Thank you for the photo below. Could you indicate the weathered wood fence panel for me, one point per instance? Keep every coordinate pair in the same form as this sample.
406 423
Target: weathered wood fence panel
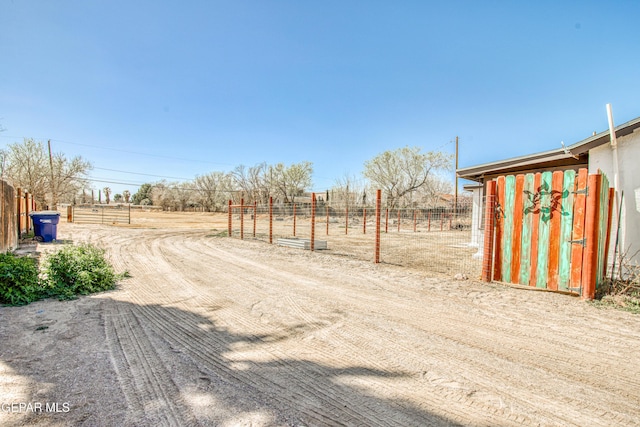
8 226
552 230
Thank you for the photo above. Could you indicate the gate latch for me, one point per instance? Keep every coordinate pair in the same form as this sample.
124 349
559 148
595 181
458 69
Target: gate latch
582 242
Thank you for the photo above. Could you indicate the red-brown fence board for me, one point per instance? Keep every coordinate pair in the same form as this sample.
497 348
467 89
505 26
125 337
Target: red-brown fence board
577 235
554 230
518 207
497 260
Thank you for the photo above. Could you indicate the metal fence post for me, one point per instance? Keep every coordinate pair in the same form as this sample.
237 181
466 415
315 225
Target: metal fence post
271 220
229 220
378 208
313 220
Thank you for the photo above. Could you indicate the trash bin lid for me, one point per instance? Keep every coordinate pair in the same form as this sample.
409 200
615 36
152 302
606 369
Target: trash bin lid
44 213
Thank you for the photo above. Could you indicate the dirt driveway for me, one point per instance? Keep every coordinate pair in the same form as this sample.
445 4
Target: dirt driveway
217 332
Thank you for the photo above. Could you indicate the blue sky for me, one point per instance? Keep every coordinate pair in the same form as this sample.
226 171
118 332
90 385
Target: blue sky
182 88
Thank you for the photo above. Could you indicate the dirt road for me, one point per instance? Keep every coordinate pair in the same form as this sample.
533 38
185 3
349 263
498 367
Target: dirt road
214 331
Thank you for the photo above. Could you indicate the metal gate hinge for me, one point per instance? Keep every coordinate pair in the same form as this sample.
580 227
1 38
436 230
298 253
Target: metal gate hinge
582 242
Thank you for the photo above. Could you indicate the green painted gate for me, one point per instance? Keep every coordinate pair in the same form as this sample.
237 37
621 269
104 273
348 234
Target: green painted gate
552 230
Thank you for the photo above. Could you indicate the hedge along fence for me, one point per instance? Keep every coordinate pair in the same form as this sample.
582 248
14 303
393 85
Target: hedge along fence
433 239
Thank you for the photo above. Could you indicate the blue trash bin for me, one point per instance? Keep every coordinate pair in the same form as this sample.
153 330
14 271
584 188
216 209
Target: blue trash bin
45 225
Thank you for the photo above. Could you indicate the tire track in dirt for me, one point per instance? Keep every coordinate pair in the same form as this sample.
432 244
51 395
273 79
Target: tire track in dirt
550 361
471 356
151 394
359 345
291 380
330 402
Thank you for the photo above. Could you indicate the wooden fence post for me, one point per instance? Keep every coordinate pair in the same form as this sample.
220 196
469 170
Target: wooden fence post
398 220
19 209
378 206
489 223
294 219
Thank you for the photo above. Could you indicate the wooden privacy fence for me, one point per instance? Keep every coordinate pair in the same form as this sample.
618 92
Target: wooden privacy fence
25 204
117 214
15 221
548 230
8 232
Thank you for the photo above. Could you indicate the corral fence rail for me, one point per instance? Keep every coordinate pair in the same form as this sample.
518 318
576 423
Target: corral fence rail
436 239
100 214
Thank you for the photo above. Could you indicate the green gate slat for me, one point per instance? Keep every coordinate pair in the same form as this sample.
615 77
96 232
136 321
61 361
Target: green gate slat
566 227
507 255
543 231
602 229
527 225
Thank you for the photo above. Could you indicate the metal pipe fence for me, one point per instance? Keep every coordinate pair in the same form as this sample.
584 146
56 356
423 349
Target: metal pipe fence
434 239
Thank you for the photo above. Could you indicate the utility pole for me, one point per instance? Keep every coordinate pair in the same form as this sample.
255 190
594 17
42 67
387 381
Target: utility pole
54 202
455 199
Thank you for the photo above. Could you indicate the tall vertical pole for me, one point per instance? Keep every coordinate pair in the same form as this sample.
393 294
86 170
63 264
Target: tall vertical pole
294 219
54 202
255 216
455 199
313 221
378 206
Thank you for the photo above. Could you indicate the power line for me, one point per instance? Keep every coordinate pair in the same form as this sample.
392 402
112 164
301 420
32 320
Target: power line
128 151
144 174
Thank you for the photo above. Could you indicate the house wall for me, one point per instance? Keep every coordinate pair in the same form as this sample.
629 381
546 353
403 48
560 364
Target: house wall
601 158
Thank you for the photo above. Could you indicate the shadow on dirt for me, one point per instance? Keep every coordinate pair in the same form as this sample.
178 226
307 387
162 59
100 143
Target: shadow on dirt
168 366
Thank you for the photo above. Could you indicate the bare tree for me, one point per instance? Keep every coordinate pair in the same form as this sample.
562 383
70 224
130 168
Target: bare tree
255 182
29 168
182 195
347 191
126 194
399 173
213 189
291 181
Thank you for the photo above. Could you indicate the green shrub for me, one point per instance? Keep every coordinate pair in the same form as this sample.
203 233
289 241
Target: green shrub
78 270
19 283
